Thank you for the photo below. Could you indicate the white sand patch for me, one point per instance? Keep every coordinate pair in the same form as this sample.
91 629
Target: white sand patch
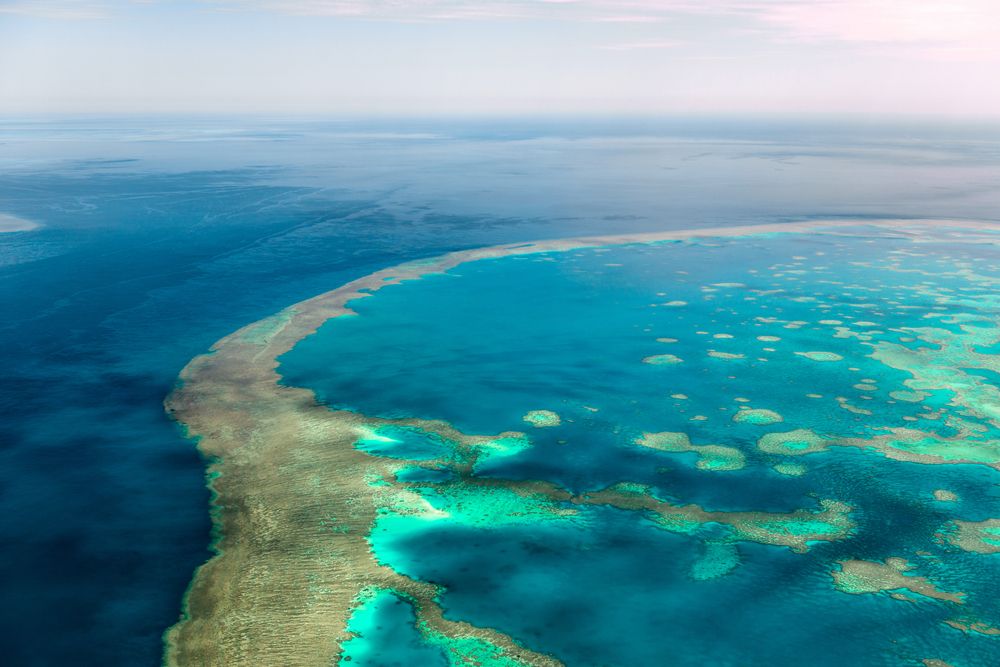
10 223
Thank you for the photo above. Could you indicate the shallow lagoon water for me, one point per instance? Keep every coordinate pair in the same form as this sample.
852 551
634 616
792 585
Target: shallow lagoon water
386 636
158 236
486 343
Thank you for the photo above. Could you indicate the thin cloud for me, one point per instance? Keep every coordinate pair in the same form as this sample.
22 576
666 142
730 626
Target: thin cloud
643 46
645 18
929 29
885 21
938 22
65 10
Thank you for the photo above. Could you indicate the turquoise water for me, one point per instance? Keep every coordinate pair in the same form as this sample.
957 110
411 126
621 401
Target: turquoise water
385 635
490 341
401 443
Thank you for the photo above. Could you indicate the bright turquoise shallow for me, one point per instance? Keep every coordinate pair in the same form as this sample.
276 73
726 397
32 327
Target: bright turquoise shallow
568 332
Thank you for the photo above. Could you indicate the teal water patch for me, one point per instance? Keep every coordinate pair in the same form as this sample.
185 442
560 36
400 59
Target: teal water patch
495 453
422 474
402 442
386 635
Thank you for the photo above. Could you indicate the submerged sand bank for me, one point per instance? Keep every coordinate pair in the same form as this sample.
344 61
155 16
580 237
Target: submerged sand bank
11 223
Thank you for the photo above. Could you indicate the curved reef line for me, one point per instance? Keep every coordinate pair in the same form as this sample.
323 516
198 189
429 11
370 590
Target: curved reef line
271 447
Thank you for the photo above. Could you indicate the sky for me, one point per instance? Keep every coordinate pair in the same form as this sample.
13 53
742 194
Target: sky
416 57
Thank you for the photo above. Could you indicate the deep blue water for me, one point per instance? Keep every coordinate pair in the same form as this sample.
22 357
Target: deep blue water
161 235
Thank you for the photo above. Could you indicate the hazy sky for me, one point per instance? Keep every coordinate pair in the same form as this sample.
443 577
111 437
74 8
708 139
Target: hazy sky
500 56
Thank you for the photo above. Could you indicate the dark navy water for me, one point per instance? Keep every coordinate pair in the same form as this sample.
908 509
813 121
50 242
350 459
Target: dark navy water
161 235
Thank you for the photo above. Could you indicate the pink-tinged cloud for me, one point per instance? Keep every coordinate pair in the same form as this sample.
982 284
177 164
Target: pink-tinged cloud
949 28
943 30
885 21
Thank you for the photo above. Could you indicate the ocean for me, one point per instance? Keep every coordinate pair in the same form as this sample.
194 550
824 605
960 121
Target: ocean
157 236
